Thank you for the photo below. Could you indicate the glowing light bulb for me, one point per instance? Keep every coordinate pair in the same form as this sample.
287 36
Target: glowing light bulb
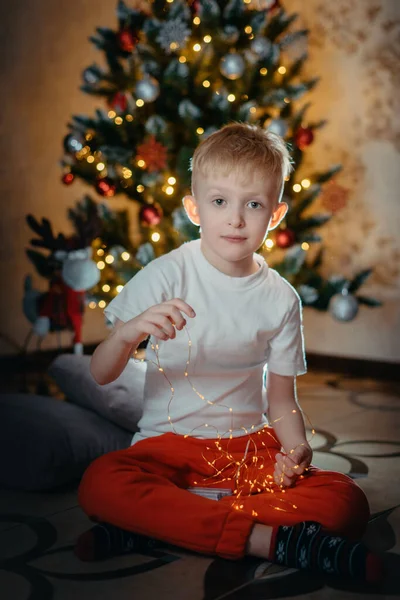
231 98
155 237
248 29
111 114
182 59
106 287
119 288
197 47
207 39
102 304
170 190
200 130
92 304
139 102
206 83
141 163
196 21
297 187
140 188
171 180
174 46
90 158
282 70
118 120
100 166
100 252
109 259
306 183
263 71
101 265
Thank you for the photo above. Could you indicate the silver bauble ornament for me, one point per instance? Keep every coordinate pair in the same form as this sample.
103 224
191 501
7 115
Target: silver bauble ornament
91 75
147 89
278 126
230 34
73 143
261 46
232 66
343 307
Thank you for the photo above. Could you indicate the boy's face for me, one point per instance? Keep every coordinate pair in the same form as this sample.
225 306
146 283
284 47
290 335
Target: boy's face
235 218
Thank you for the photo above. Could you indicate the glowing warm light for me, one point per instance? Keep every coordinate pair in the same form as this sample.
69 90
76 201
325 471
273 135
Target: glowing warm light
170 190
92 304
263 71
106 287
231 98
287 100
155 237
140 188
197 47
100 252
207 39
297 187
248 29
174 46
253 110
126 173
129 118
182 59
90 159
171 180
306 183
282 70
109 259
200 130
206 83
102 304
141 163
119 288
139 102
118 120
125 256
100 166
305 246
269 244
112 114
196 21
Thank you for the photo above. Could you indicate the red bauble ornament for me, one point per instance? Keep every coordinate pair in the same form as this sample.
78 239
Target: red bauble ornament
285 238
150 214
68 178
119 102
303 137
127 39
106 187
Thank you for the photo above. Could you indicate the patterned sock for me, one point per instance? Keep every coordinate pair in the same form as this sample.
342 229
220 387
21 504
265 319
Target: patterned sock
307 546
105 540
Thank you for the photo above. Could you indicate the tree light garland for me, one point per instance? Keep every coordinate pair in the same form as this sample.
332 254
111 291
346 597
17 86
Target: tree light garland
253 481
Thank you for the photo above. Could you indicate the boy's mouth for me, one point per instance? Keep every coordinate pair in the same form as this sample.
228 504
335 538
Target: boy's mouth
234 238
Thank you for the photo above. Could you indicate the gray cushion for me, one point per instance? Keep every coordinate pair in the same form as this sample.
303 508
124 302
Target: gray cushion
120 401
45 442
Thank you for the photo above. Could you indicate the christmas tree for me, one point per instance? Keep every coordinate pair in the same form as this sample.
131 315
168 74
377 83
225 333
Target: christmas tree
173 73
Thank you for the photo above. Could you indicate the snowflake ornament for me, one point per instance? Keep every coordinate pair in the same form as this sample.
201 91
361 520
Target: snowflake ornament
173 34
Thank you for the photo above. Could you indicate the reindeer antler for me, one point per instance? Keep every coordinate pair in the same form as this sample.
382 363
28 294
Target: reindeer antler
45 232
86 220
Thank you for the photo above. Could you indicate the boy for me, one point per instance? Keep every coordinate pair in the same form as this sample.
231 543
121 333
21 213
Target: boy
217 316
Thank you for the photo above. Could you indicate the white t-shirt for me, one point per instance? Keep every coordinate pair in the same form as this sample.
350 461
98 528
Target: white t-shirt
242 326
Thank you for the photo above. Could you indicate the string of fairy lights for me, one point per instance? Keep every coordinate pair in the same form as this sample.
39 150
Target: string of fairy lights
248 476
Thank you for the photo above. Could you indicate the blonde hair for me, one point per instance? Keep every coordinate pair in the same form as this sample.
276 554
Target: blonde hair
244 148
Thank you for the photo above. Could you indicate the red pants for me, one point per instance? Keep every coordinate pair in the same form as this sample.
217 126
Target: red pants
143 489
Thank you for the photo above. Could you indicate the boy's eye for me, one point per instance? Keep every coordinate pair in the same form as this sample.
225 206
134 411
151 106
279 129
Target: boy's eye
219 201
255 203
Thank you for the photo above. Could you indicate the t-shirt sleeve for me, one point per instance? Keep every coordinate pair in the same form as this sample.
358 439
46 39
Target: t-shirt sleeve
148 287
286 348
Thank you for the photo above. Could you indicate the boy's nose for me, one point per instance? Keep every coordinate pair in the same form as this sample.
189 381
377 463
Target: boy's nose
236 219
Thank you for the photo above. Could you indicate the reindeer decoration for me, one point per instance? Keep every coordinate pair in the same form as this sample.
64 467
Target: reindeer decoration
71 272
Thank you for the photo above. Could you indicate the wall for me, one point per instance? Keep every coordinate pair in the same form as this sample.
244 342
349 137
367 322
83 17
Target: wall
354 47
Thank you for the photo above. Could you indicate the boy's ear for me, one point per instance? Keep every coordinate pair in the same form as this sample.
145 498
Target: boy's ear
190 206
278 214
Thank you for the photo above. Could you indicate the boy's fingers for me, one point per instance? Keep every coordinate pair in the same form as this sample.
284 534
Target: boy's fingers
183 306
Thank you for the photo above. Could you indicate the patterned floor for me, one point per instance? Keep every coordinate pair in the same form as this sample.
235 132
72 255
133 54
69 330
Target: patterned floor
357 423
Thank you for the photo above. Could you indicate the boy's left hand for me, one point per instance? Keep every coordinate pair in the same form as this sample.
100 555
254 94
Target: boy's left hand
289 466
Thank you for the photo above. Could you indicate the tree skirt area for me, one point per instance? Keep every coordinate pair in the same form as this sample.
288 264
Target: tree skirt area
357 423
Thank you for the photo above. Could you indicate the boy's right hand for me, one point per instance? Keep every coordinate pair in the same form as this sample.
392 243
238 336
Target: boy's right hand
159 321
